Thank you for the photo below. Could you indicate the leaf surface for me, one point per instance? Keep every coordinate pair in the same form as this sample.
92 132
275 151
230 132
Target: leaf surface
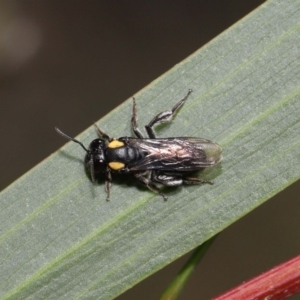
60 239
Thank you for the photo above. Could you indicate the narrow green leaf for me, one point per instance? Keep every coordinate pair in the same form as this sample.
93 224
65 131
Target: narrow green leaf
174 289
60 239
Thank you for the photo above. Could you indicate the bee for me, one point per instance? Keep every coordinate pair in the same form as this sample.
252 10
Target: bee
151 160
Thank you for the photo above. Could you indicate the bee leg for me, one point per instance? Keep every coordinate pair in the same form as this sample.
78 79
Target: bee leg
175 179
134 127
108 183
166 179
102 134
191 180
164 116
151 186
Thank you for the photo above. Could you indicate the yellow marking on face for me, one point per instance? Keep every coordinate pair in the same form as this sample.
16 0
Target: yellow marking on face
116 165
115 144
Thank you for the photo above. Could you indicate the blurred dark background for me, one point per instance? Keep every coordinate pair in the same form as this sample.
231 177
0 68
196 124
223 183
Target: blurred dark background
68 63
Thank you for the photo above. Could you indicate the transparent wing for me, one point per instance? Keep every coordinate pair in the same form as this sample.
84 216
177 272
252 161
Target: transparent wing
177 154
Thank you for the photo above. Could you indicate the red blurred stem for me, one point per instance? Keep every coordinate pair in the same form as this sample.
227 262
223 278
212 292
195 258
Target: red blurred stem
277 284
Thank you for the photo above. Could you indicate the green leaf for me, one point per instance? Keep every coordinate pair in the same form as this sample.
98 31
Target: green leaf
174 289
60 239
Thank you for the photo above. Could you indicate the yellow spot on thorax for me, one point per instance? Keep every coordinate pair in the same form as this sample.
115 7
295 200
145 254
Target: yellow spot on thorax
115 144
114 165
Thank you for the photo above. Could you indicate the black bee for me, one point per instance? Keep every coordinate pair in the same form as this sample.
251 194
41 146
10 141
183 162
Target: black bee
151 160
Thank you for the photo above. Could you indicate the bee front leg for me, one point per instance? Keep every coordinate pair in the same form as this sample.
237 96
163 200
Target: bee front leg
108 183
102 134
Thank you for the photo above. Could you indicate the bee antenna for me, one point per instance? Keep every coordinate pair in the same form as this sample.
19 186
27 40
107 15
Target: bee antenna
70 138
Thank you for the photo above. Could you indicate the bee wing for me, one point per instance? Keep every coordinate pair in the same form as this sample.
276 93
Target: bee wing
179 154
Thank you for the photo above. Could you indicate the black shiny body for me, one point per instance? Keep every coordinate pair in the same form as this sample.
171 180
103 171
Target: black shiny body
151 160
125 154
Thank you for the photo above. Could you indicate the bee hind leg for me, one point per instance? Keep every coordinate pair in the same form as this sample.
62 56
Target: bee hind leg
167 179
165 116
175 179
192 180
